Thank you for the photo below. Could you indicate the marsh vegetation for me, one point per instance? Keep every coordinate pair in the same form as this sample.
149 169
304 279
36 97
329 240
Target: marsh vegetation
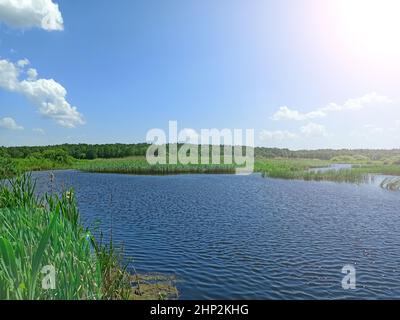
139 165
302 169
271 162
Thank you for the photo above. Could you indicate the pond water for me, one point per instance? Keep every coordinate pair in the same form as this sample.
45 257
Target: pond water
247 237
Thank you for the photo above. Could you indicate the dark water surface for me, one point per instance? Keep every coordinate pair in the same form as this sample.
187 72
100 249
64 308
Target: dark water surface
228 237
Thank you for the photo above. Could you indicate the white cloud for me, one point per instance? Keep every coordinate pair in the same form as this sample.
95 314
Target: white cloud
8 75
46 94
288 114
23 62
10 124
43 14
277 135
371 99
32 74
285 113
313 130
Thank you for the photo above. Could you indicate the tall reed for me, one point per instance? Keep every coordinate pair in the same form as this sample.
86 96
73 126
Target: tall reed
141 166
41 232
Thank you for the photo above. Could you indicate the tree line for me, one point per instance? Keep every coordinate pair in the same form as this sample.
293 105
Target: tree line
78 151
63 152
328 154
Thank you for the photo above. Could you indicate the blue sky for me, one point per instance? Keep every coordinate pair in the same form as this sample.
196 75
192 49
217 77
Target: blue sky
300 74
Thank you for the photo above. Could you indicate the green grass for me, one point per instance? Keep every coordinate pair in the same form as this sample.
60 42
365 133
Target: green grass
300 169
32 239
289 168
35 234
11 167
283 166
139 165
37 164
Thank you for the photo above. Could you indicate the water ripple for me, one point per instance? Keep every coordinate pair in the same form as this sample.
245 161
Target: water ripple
234 237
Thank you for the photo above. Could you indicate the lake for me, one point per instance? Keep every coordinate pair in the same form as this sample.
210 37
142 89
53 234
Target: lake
247 237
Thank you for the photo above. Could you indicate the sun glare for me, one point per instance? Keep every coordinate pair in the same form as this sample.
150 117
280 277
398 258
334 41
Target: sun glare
372 26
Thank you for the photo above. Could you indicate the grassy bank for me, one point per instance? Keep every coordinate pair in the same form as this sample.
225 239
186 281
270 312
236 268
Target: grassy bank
139 165
287 168
49 160
40 234
300 169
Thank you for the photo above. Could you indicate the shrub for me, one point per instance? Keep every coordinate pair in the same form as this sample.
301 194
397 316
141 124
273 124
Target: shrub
7 167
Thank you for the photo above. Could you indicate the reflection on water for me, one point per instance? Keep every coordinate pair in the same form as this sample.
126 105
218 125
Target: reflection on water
227 236
334 166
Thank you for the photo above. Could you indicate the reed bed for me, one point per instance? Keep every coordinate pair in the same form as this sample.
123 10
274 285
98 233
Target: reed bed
343 175
142 167
300 169
38 232
32 239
